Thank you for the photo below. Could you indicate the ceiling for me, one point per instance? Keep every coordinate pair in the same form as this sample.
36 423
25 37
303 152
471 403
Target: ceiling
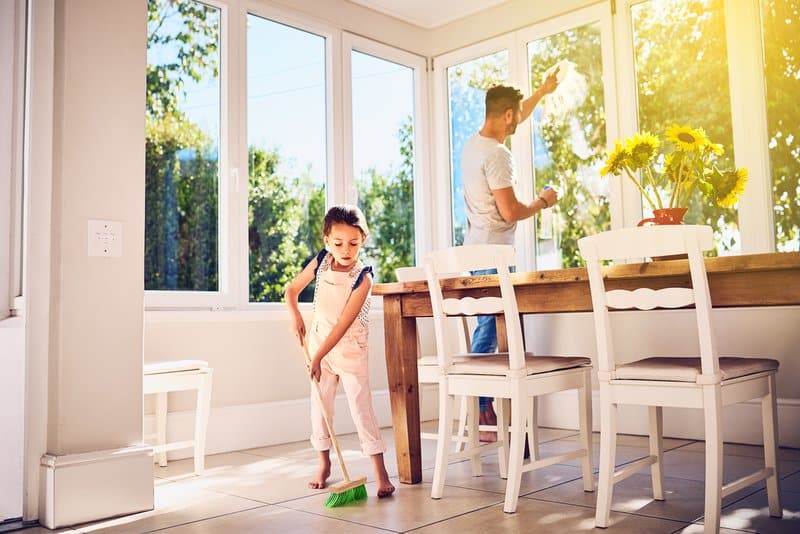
428 13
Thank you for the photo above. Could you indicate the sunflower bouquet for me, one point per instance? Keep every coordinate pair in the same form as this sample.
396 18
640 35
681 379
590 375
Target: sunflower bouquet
669 173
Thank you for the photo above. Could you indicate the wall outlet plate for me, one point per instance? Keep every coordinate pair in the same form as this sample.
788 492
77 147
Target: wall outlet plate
105 238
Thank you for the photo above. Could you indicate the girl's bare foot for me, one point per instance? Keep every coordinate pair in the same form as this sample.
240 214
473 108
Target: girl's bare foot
321 479
385 486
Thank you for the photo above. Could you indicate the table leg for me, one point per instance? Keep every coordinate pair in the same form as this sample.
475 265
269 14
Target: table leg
401 371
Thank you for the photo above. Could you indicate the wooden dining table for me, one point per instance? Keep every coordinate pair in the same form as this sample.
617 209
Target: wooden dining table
747 280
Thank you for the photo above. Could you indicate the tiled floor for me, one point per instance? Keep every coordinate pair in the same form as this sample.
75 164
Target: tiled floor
264 490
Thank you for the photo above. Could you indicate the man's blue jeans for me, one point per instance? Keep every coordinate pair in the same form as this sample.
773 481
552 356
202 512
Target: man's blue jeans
484 338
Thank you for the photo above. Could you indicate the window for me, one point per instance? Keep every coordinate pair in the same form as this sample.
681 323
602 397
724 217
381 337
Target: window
467 83
183 147
287 154
780 20
384 159
681 67
569 137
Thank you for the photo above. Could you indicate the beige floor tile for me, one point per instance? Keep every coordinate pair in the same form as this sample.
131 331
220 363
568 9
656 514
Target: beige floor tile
268 480
791 483
752 514
699 529
683 498
460 475
738 449
272 519
175 504
691 465
637 441
410 507
214 465
625 453
537 516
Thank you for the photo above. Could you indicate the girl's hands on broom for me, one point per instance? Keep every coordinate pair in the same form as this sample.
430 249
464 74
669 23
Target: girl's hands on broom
315 369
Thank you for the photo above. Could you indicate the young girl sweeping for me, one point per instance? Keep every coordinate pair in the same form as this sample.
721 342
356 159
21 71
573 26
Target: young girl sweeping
337 339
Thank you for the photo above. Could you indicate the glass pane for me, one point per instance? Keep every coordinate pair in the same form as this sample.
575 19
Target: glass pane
782 57
682 78
466 91
182 146
383 160
568 143
286 137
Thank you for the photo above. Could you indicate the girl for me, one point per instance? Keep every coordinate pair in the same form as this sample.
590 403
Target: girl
337 340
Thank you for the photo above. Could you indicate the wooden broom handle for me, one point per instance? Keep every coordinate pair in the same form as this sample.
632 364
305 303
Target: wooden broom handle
328 422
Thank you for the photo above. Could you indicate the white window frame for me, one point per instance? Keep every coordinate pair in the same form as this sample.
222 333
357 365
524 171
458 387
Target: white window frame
443 222
335 185
423 203
516 43
526 246
748 116
226 191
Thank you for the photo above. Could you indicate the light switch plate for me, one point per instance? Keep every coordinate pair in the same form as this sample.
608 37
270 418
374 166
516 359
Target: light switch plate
105 238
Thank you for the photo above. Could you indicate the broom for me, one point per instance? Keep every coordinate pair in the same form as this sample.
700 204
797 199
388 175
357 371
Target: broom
348 490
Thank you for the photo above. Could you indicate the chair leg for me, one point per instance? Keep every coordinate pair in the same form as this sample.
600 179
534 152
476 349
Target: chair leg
201 422
769 420
517 449
657 450
502 435
473 436
712 411
461 435
533 428
161 426
585 415
608 449
443 441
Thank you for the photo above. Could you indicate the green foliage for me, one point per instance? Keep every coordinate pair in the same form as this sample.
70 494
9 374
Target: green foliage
284 226
682 74
180 207
193 40
782 50
582 210
388 205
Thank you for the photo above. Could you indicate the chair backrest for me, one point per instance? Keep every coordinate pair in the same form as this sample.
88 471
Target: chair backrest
473 258
649 242
459 328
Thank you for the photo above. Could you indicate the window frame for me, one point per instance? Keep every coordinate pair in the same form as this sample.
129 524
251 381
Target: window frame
423 205
223 296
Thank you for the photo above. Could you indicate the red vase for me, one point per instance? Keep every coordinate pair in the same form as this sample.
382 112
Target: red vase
665 216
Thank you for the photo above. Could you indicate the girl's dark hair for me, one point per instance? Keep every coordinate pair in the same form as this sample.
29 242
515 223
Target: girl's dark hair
345 214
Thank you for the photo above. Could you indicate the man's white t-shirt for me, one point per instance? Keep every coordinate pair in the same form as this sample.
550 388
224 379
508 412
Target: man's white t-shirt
486 165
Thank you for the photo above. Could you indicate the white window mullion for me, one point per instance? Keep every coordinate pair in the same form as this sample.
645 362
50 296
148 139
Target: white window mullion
624 194
749 118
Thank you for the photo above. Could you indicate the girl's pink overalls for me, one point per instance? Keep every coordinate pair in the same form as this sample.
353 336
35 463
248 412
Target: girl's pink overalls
348 361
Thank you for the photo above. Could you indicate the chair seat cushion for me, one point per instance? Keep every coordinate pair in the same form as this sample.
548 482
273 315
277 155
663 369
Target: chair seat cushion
497 364
681 369
173 366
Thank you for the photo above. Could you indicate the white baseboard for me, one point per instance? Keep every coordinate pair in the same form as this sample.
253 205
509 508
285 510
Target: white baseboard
234 428
741 422
246 426
76 488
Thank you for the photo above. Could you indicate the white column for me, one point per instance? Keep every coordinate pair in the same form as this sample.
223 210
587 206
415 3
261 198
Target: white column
96 465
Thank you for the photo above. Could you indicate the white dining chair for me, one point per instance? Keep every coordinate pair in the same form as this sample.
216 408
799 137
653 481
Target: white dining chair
515 377
427 368
707 382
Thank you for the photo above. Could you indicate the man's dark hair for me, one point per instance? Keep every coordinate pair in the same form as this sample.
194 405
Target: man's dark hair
500 98
345 214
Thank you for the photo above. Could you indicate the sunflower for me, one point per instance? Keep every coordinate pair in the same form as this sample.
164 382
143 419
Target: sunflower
729 186
616 161
642 148
687 138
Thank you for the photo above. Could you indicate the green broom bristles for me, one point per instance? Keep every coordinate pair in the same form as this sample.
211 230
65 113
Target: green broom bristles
351 495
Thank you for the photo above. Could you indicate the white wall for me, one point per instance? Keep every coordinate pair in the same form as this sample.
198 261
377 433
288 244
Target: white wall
12 393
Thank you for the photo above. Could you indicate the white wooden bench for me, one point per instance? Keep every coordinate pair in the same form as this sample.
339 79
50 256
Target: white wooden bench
160 378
